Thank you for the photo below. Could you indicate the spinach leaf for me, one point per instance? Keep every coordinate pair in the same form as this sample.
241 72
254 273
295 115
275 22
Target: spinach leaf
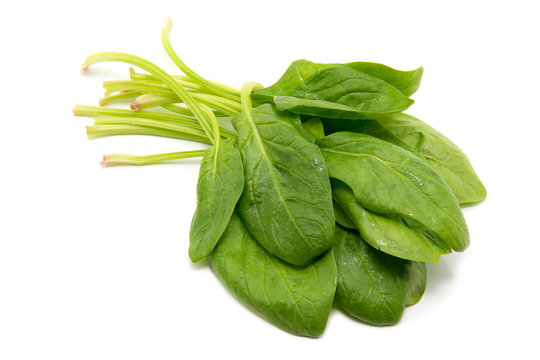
405 81
343 91
416 280
389 180
287 201
371 285
414 135
389 234
297 300
221 181
314 126
342 218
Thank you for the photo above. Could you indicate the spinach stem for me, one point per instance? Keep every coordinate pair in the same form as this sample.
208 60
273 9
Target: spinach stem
165 121
126 159
116 98
247 88
160 74
96 131
220 89
112 120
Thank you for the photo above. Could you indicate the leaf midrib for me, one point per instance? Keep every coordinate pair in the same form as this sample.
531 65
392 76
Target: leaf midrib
258 140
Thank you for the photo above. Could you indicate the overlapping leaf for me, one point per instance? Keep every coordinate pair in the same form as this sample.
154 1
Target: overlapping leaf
220 184
387 233
297 300
389 180
421 139
371 285
287 202
346 91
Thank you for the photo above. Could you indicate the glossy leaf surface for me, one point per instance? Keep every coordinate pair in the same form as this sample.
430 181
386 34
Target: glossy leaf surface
416 280
297 300
389 180
220 184
370 284
343 91
421 139
386 233
287 201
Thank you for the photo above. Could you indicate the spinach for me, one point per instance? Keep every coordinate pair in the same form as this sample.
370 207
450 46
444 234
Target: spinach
272 186
346 91
414 135
387 233
416 280
297 300
371 285
220 184
389 180
287 201
342 217
314 127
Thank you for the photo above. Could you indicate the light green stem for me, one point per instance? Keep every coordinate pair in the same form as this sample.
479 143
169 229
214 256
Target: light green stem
111 120
161 75
179 119
247 88
96 131
116 98
221 90
126 159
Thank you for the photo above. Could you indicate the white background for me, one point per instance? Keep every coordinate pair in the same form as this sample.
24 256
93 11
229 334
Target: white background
93 262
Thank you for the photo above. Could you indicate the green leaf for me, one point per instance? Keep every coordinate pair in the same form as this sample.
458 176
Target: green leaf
389 180
414 135
416 280
389 234
371 285
287 200
405 81
297 300
221 181
343 91
315 127
342 218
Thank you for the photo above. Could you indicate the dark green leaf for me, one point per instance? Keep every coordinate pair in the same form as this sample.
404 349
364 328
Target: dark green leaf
389 180
416 280
342 218
342 91
389 234
297 300
412 134
287 200
221 181
370 284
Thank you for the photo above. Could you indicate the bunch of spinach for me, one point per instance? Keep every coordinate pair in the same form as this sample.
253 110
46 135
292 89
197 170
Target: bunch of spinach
315 191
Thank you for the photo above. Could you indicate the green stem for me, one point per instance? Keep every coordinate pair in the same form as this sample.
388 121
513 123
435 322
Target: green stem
182 79
234 106
179 119
132 85
247 88
108 120
161 97
116 98
126 159
161 75
219 89
148 101
96 131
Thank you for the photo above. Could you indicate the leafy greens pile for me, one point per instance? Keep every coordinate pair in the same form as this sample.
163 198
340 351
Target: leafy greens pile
315 191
